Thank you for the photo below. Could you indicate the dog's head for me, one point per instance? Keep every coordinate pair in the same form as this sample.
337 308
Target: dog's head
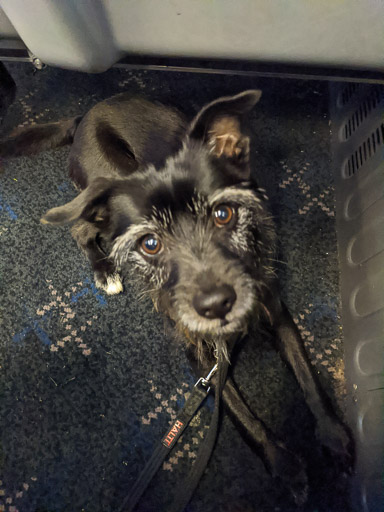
196 233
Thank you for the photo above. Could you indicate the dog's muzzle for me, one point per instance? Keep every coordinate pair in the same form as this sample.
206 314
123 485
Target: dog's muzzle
215 302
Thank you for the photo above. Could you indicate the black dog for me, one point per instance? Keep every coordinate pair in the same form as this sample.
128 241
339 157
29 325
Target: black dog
176 201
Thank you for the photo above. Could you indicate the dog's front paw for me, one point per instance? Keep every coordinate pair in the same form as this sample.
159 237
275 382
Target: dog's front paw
110 283
337 442
291 470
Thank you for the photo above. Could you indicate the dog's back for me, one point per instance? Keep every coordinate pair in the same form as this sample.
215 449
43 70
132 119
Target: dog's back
115 138
122 134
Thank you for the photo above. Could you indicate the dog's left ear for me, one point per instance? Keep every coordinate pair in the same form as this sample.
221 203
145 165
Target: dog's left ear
218 125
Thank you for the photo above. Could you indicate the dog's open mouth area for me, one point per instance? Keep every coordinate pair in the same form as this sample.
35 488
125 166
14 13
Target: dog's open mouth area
90 382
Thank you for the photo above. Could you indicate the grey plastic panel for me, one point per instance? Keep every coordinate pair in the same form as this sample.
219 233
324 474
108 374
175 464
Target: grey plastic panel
65 33
358 150
7 30
91 35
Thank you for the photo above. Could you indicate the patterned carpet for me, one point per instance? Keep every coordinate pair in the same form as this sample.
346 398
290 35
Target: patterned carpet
89 383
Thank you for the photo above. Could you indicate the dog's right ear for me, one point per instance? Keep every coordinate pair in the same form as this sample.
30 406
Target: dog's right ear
90 202
229 109
219 126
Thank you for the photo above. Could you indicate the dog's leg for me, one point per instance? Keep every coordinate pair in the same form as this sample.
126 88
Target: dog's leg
279 461
332 433
106 276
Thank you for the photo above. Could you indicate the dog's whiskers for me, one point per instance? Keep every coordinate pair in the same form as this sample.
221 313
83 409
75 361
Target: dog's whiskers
278 261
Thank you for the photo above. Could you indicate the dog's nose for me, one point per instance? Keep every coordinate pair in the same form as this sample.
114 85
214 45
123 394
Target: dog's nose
215 302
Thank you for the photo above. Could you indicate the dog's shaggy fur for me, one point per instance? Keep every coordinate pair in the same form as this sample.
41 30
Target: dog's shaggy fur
176 202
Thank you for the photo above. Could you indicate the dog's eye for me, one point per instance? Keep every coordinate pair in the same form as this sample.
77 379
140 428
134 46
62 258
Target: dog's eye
150 244
222 215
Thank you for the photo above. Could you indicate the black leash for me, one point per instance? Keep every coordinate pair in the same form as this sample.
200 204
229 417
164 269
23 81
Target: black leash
198 395
191 482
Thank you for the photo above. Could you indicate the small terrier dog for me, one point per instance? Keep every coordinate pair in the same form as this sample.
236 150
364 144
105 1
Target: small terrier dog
176 201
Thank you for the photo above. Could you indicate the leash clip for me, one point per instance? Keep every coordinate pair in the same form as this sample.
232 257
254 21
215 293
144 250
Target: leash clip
204 382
